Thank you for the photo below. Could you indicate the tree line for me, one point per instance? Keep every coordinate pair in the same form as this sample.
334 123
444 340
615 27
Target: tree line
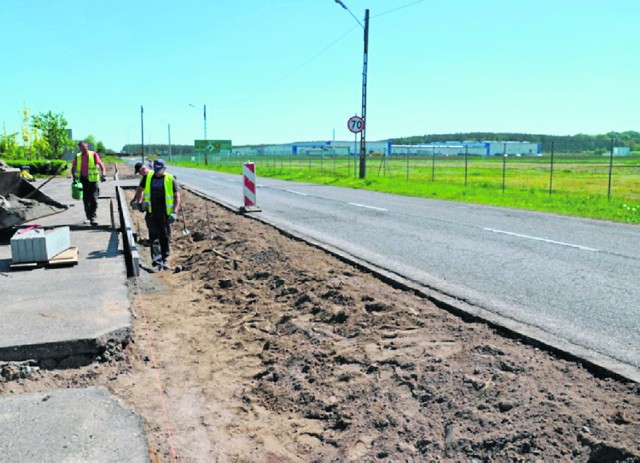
561 143
157 148
43 136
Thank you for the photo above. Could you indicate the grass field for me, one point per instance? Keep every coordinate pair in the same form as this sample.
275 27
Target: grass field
585 186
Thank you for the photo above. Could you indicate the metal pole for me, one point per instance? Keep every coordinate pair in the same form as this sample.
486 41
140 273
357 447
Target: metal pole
206 153
610 170
466 163
204 113
169 130
355 150
407 163
433 163
363 149
551 172
504 170
142 130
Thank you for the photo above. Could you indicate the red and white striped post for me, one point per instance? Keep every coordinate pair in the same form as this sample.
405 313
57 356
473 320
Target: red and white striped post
249 181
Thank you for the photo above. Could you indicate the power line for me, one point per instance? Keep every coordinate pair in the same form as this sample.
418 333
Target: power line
293 71
398 8
296 69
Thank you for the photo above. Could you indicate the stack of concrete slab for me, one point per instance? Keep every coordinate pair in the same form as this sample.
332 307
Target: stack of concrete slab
38 245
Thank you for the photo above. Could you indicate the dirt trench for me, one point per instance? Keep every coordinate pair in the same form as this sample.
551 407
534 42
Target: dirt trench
263 349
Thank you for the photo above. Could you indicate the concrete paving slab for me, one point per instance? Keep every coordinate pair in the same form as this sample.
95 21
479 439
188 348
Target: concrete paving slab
68 312
70 425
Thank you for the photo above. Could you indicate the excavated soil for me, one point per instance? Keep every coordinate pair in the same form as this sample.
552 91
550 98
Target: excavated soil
260 348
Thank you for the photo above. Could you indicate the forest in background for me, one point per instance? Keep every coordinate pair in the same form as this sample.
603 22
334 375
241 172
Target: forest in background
579 143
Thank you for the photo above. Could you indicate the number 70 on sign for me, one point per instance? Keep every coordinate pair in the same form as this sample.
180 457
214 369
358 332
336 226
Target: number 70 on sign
355 124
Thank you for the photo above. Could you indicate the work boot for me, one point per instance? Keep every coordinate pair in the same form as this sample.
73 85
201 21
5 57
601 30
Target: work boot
165 265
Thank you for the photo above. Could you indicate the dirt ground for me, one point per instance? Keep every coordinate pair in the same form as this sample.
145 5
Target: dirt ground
260 348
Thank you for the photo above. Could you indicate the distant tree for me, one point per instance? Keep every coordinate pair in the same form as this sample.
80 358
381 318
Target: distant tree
8 145
53 128
91 141
27 133
95 145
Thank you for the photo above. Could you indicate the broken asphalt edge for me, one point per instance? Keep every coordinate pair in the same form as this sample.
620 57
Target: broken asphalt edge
73 352
598 364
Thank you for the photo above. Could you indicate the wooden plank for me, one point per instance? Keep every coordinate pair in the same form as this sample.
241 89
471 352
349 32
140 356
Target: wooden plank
67 257
24 265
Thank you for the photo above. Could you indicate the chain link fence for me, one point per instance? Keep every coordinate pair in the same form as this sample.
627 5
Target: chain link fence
605 174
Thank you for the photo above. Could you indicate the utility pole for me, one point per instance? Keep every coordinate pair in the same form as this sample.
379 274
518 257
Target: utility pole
169 130
363 148
204 112
142 130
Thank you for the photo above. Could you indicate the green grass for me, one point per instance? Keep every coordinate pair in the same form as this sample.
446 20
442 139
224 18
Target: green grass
580 184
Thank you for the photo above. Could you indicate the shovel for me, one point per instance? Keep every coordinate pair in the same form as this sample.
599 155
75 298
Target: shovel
185 230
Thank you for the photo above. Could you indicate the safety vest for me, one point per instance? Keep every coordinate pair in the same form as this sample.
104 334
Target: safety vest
168 191
92 172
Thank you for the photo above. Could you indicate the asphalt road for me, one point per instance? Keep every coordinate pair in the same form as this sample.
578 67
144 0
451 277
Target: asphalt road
567 279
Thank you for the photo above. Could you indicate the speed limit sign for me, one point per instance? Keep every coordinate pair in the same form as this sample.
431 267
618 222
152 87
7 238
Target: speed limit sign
355 124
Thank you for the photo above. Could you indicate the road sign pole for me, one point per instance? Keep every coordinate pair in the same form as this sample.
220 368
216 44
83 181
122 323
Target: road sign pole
363 149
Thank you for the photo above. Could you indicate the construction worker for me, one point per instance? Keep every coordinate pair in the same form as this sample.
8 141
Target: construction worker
140 169
89 168
159 196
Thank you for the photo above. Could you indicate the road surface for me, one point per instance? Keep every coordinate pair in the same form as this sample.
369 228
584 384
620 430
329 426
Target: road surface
569 280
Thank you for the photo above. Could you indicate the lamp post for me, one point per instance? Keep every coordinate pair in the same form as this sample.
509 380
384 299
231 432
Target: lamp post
142 130
365 59
169 131
204 118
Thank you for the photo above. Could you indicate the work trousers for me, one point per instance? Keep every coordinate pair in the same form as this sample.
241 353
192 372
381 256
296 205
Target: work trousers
159 237
90 193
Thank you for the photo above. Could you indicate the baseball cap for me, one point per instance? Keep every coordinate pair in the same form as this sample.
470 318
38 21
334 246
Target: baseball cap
137 167
158 165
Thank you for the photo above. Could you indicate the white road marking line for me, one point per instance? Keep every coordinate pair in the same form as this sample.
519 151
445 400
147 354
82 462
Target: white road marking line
368 207
297 192
584 248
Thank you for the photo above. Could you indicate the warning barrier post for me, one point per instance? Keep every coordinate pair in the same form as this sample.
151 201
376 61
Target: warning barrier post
249 188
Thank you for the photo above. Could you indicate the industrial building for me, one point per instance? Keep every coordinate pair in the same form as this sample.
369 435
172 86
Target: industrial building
471 148
384 148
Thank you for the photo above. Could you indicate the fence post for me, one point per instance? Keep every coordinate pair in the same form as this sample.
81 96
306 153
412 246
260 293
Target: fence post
610 170
407 164
466 163
551 172
433 163
504 169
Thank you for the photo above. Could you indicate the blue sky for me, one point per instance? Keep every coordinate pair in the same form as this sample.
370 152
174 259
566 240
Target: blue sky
291 70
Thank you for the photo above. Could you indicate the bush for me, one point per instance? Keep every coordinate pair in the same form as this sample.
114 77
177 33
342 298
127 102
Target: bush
40 167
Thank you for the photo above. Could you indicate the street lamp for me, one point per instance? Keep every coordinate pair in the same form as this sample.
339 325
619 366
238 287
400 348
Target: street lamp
142 131
204 116
363 148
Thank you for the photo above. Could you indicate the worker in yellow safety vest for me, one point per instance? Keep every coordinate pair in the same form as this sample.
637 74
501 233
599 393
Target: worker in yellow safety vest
158 195
88 167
